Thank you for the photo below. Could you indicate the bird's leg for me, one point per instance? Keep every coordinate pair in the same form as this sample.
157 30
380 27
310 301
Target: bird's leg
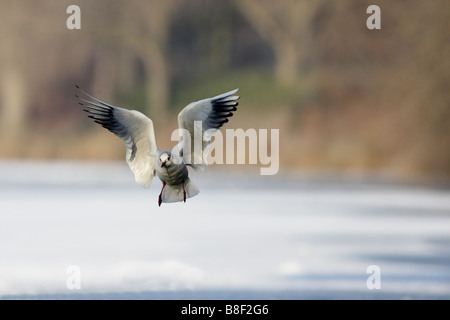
184 192
159 199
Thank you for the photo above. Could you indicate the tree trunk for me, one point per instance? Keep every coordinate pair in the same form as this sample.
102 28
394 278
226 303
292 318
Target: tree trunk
105 74
157 83
14 103
288 61
286 26
148 38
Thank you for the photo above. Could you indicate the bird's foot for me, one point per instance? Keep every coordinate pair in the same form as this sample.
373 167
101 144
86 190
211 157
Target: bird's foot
184 192
159 198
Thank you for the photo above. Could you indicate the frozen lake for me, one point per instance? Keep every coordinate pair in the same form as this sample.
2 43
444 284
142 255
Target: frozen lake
244 236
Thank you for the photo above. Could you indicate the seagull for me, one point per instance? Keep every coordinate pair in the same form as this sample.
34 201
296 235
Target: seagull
196 122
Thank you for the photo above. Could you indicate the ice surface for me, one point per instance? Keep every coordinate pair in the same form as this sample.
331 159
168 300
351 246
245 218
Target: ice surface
249 235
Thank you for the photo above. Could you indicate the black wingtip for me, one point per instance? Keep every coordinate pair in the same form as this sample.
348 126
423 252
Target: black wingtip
78 87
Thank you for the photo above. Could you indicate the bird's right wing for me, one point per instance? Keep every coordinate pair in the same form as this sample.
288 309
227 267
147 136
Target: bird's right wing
198 121
134 128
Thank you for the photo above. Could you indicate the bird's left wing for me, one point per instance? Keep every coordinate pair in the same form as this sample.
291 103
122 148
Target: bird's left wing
198 121
134 128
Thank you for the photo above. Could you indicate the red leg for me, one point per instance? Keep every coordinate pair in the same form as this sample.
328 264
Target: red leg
184 192
159 199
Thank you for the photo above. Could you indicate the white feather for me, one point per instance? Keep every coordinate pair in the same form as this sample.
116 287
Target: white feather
135 129
196 118
142 132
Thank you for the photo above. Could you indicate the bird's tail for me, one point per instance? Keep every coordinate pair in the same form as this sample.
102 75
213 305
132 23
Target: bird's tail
174 193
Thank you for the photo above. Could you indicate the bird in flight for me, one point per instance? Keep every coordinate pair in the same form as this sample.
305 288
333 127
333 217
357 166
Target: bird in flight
196 124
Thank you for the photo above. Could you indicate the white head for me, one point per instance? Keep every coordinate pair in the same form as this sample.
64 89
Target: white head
165 159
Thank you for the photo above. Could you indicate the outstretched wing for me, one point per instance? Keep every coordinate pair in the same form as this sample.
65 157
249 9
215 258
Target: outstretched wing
198 121
132 127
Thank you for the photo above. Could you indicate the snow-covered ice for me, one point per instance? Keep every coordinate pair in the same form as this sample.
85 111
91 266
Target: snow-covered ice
281 235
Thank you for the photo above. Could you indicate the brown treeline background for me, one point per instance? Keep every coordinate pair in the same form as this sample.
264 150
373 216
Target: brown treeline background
344 97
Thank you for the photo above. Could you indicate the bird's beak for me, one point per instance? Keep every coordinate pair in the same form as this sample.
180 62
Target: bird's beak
163 164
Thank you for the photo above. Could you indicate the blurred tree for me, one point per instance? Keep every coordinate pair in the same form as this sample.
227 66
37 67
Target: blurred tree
379 98
287 27
25 69
14 99
145 29
123 34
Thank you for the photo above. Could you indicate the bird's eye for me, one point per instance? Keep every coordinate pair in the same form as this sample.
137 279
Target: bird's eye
168 158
